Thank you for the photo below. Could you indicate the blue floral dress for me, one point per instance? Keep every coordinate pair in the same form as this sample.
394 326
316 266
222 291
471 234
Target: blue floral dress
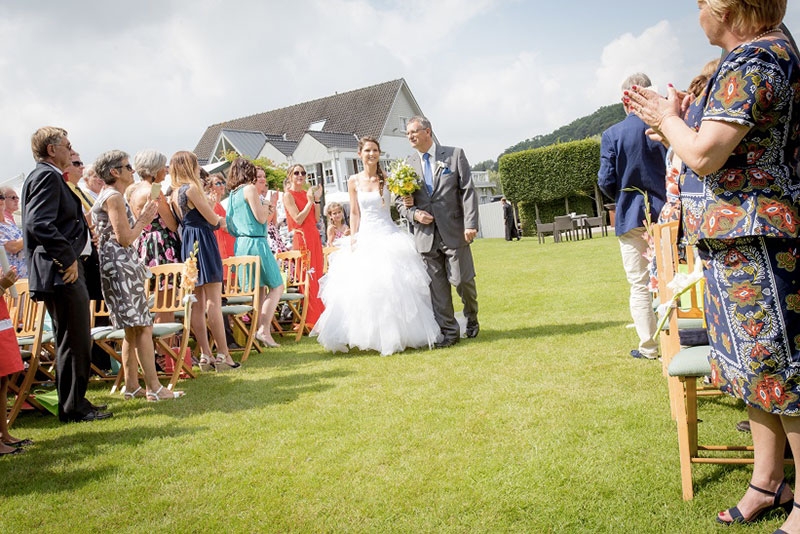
744 219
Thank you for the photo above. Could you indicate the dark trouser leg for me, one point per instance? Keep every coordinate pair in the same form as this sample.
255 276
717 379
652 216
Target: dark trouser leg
469 296
69 310
441 294
461 274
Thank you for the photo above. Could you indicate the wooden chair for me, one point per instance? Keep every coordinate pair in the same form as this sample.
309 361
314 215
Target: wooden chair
685 366
28 315
111 347
167 296
294 267
326 252
241 288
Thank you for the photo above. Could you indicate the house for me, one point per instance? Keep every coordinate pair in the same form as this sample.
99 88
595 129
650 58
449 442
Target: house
321 134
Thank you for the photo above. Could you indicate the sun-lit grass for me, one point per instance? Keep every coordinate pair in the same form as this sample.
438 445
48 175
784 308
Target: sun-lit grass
541 424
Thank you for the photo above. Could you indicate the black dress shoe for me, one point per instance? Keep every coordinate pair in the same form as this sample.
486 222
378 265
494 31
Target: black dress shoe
94 415
446 342
473 329
99 407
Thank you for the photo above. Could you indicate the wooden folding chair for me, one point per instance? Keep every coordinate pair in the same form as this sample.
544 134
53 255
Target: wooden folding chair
685 366
326 252
167 296
110 345
240 287
294 267
28 315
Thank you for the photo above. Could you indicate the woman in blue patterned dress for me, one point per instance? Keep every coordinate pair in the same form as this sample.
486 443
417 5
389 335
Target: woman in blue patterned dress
122 275
739 194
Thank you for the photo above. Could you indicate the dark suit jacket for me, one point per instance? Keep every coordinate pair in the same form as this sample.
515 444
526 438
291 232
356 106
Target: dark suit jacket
453 203
54 229
628 158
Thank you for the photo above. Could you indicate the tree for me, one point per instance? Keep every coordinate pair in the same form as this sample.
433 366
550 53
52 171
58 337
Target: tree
275 174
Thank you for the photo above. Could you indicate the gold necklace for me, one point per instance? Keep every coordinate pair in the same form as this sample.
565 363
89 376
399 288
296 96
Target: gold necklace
762 34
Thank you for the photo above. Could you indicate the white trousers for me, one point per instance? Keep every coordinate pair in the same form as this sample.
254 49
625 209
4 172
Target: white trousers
633 246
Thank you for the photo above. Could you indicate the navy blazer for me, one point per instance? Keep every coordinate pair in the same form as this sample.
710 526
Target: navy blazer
54 229
628 158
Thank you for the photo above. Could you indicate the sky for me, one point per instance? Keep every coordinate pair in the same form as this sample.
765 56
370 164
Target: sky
487 73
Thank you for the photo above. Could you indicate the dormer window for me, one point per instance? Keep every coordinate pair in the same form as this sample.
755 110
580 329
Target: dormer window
317 126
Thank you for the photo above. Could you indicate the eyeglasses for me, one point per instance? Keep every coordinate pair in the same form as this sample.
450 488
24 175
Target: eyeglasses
2 197
218 184
68 146
77 163
412 132
128 166
299 173
11 198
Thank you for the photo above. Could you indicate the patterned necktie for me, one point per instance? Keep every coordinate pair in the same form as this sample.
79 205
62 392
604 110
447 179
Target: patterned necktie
426 172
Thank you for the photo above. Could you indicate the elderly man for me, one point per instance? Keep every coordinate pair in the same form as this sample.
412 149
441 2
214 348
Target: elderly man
90 183
57 242
444 212
632 166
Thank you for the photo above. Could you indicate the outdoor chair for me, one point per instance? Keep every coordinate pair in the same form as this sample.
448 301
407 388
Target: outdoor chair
241 288
595 222
562 226
294 268
27 316
686 365
542 229
166 295
112 348
326 252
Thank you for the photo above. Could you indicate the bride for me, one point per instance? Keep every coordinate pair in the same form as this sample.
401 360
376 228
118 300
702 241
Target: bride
376 292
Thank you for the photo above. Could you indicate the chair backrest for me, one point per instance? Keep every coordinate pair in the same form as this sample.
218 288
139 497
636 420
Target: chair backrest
672 259
562 222
166 293
24 311
242 276
294 266
327 251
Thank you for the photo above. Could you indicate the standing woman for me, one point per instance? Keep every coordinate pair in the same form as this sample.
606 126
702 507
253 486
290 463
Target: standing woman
122 275
247 222
302 213
196 214
10 363
159 243
739 196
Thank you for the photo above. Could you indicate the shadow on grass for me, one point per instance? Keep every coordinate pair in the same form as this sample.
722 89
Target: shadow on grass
546 330
47 467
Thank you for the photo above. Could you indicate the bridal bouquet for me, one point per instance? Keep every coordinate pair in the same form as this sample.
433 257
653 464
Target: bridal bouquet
402 180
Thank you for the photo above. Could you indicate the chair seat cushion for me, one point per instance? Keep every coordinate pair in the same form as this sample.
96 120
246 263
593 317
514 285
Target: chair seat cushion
243 299
690 323
100 332
292 296
692 361
166 329
25 341
238 309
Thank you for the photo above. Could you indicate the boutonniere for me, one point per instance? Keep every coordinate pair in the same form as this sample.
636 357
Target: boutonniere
441 166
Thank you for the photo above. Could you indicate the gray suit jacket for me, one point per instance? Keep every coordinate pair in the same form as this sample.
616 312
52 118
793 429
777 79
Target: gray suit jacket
453 203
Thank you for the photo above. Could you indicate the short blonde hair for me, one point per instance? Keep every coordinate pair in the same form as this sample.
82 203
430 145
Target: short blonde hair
749 16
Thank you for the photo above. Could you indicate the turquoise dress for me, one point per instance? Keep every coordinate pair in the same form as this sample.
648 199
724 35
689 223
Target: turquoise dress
251 238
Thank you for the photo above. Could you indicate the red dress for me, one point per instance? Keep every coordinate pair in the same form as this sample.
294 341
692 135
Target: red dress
224 239
308 239
10 359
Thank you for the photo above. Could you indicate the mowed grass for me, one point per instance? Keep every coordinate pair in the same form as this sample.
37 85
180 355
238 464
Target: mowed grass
541 424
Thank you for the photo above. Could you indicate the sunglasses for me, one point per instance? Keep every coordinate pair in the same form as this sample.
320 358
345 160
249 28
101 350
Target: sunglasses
9 198
77 163
299 173
128 166
219 183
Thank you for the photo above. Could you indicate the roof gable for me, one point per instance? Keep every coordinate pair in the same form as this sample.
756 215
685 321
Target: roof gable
359 112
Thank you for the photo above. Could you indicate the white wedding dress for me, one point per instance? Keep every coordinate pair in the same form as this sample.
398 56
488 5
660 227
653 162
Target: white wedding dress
376 293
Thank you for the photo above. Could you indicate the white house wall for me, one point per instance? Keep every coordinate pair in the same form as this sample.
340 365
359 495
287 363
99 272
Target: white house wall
273 154
310 151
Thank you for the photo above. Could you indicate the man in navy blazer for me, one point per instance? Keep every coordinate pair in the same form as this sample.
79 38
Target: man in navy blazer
57 242
628 160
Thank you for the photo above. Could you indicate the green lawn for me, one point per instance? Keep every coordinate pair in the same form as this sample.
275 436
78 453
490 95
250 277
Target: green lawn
541 424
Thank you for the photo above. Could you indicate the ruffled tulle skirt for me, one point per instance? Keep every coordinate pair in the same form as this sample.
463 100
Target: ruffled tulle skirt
376 296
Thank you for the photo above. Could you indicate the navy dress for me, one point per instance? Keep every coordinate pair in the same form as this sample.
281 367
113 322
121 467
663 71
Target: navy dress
196 229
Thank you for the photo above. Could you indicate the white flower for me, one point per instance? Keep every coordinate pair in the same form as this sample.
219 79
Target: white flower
440 165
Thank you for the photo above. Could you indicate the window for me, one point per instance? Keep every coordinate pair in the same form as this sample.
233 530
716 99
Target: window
327 170
311 176
403 124
317 126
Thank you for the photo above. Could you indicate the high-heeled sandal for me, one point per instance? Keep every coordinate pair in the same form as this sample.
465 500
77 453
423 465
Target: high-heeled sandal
780 530
737 517
223 366
267 343
137 394
155 396
206 363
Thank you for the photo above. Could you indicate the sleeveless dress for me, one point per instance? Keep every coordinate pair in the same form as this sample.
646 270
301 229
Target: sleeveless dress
158 244
308 239
121 273
196 229
10 359
251 238
376 294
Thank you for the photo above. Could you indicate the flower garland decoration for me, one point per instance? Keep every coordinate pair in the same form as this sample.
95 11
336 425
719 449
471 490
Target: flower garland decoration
189 278
402 179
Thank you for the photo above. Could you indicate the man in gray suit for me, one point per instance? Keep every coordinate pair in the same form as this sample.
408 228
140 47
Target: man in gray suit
444 212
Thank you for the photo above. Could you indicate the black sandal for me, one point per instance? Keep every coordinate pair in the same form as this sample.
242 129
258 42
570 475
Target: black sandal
780 530
738 518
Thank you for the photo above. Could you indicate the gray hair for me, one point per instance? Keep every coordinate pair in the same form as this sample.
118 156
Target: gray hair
87 172
425 123
107 161
148 162
640 79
